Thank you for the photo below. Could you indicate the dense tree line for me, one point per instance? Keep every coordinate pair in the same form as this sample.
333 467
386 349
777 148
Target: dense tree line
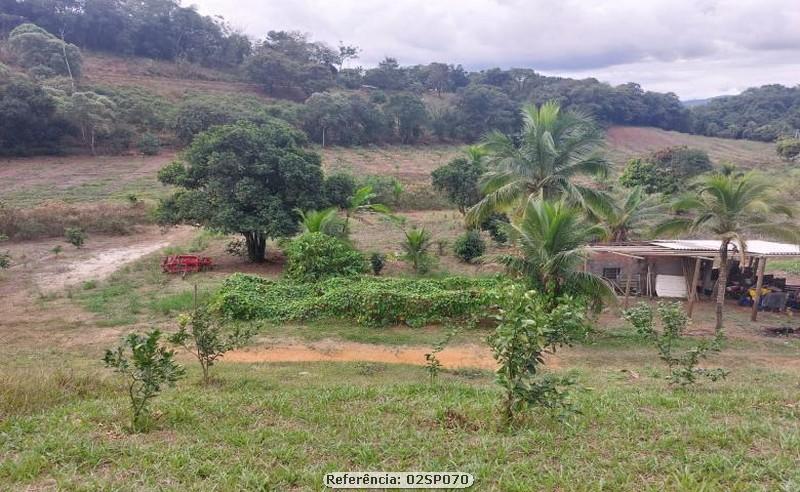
389 103
760 113
152 28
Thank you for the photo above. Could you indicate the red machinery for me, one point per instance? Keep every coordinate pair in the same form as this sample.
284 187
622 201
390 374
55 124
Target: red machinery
185 263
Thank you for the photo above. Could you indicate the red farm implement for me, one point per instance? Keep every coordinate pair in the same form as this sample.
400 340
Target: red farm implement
185 264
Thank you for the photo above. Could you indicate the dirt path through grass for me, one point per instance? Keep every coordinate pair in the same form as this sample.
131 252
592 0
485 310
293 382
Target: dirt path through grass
453 357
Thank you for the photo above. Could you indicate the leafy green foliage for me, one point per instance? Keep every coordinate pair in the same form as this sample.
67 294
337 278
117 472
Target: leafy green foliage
206 337
666 170
75 236
788 148
496 224
459 179
29 122
338 188
555 147
324 221
626 216
480 109
377 261
244 179
344 119
147 366
759 113
641 318
43 53
315 255
408 114
367 300
550 239
531 325
469 246
416 249
673 319
149 144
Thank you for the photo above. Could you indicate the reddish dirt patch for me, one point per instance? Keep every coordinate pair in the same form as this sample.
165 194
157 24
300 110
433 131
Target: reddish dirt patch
474 356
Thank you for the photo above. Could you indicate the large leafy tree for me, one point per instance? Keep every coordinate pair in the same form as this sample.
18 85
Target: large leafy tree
626 216
554 147
244 179
551 237
731 206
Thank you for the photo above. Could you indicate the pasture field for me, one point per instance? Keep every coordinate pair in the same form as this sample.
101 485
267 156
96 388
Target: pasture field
306 398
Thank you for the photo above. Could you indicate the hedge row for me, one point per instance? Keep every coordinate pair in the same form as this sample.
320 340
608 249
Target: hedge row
374 301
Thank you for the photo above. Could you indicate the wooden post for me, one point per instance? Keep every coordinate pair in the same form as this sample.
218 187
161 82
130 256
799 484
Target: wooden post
628 286
759 283
693 288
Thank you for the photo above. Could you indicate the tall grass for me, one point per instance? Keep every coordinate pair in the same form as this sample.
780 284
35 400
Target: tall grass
50 219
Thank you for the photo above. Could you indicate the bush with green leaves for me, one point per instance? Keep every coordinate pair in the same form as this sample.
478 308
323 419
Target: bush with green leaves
147 366
674 320
75 236
469 246
43 53
788 148
149 144
530 326
207 337
314 255
366 300
496 224
377 261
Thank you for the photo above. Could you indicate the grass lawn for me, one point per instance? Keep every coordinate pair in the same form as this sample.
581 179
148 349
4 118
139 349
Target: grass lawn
282 426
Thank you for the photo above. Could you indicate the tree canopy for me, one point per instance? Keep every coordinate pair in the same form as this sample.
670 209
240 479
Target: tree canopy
247 179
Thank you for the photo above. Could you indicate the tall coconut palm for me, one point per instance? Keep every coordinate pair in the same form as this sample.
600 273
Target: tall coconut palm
627 216
554 147
731 206
550 238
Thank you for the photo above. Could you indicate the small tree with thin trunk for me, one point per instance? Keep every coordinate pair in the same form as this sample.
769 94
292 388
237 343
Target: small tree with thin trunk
148 366
731 206
206 337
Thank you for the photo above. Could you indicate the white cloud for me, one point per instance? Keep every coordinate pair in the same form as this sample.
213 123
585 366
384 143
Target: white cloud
696 48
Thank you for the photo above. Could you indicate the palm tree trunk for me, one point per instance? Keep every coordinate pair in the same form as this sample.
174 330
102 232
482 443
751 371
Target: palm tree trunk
721 284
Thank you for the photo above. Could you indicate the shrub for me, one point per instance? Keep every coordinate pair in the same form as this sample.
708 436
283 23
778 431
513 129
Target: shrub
495 224
788 148
149 144
682 366
530 326
469 246
315 255
207 338
147 366
372 301
377 261
75 236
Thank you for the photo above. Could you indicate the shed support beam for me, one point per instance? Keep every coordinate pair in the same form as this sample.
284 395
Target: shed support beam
693 287
759 284
628 286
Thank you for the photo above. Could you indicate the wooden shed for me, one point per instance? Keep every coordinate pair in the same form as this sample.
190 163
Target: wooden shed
689 268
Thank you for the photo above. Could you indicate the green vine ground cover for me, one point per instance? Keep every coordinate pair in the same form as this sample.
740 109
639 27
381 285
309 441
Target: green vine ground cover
374 301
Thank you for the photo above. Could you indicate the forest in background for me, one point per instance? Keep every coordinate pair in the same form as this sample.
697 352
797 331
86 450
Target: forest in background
48 108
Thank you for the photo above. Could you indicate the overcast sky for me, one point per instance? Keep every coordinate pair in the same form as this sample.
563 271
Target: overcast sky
695 48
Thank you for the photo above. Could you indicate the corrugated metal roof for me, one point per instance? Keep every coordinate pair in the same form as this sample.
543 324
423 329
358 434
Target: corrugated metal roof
692 244
755 246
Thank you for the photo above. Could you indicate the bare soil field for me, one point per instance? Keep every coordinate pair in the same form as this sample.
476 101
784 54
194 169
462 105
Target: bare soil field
624 142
